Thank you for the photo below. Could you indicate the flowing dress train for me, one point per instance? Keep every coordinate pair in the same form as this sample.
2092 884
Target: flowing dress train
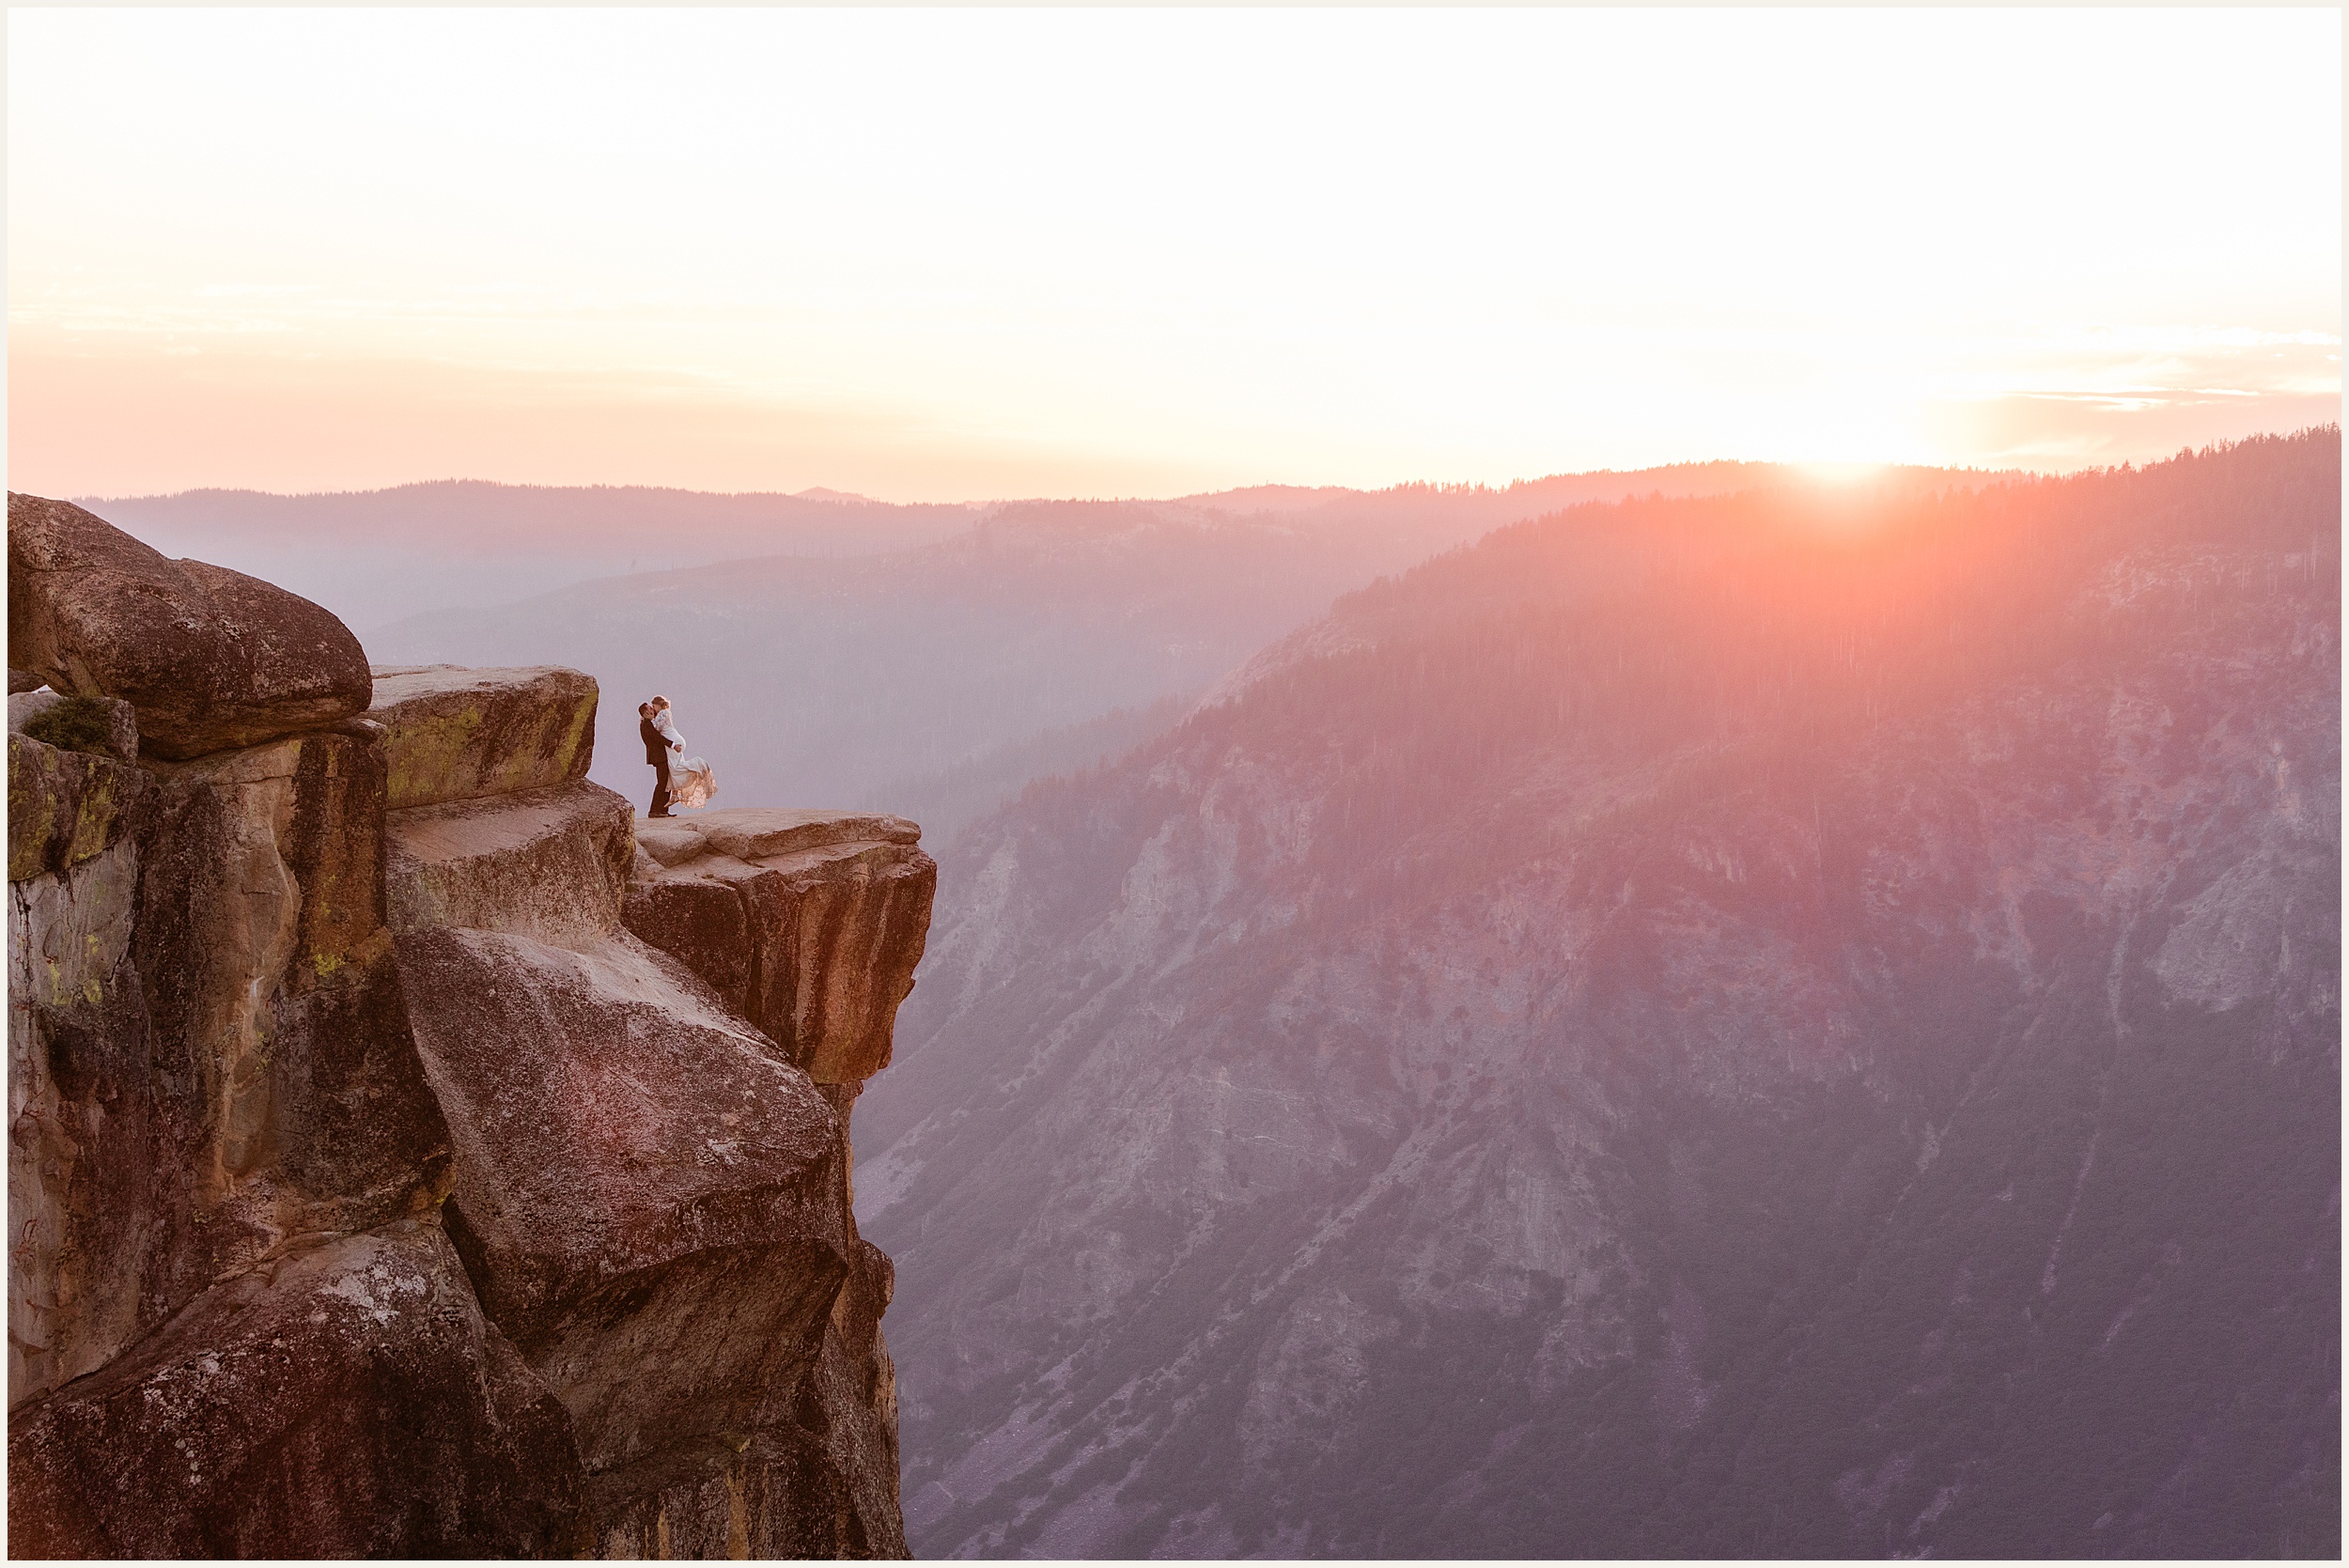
690 781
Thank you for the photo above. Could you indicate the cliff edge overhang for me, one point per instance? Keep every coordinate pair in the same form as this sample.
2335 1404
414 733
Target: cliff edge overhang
407 1157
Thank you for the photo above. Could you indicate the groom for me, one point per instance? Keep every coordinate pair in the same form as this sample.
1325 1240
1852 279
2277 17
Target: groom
656 753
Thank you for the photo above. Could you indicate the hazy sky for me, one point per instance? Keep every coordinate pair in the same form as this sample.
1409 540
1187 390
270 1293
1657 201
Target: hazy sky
965 254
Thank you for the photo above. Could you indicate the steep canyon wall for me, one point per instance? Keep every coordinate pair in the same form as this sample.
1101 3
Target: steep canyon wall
1748 1027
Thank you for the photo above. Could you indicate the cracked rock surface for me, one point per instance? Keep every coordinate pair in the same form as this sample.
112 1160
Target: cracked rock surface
377 1193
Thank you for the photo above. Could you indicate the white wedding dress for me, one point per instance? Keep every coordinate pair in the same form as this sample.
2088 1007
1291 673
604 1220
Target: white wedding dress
691 781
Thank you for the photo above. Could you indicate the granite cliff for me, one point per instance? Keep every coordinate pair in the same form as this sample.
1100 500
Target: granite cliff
407 1157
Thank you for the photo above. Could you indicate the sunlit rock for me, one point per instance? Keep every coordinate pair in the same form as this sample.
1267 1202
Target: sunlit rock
647 1198
83 1200
210 658
545 863
810 925
209 1050
455 734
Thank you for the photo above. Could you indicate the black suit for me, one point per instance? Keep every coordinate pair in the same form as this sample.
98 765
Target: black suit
657 753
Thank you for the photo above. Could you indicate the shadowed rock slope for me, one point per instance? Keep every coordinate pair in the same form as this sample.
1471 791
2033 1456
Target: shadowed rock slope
375 1188
1755 1026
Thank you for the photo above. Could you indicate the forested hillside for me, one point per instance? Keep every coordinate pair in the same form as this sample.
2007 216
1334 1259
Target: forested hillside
1794 1023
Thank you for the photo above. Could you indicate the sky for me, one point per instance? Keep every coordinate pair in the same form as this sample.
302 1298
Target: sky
965 255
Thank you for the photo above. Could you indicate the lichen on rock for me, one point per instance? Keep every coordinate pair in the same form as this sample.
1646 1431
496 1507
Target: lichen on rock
64 806
455 734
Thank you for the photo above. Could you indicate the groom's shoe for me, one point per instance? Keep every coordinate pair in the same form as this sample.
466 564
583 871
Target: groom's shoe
651 814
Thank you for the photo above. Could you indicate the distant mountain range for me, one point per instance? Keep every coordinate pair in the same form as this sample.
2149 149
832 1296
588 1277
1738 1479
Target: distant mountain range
937 680
376 556
1794 1023
373 556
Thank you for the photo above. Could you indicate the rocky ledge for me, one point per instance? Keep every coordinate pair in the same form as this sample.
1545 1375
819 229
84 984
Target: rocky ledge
411 1153
808 923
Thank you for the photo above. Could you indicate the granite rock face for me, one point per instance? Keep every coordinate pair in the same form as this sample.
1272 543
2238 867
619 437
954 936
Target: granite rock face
210 658
544 864
809 924
458 734
656 1214
815 1476
346 1400
650 1211
272 1004
263 947
209 1054
81 1222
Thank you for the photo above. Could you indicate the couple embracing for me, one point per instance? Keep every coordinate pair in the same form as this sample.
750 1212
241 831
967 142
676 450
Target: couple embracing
683 780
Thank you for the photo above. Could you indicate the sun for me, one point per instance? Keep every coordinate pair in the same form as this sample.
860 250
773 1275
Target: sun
1839 477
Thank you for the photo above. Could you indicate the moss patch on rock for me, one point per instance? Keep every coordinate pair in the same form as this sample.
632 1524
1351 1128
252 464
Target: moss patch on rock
78 724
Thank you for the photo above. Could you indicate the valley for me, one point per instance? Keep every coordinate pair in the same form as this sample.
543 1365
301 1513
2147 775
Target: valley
1724 1026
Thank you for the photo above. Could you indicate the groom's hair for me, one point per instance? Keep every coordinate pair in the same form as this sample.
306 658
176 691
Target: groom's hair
643 709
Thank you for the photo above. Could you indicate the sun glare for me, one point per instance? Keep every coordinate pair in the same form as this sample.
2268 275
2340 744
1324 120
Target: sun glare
1841 477
1077 251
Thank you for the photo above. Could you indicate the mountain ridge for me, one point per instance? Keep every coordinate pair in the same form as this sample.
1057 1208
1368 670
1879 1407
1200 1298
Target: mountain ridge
885 678
1634 1054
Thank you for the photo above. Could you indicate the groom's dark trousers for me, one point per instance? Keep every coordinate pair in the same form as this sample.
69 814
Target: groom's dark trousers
657 753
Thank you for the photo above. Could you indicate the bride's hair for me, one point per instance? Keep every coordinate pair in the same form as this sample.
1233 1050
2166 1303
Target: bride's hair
661 702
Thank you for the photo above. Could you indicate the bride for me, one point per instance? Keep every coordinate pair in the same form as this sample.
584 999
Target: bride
690 781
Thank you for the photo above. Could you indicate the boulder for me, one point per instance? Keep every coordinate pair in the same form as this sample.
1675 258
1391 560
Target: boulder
344 1399
545 863
22 681
651 1204
816 945
208 658
457 734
